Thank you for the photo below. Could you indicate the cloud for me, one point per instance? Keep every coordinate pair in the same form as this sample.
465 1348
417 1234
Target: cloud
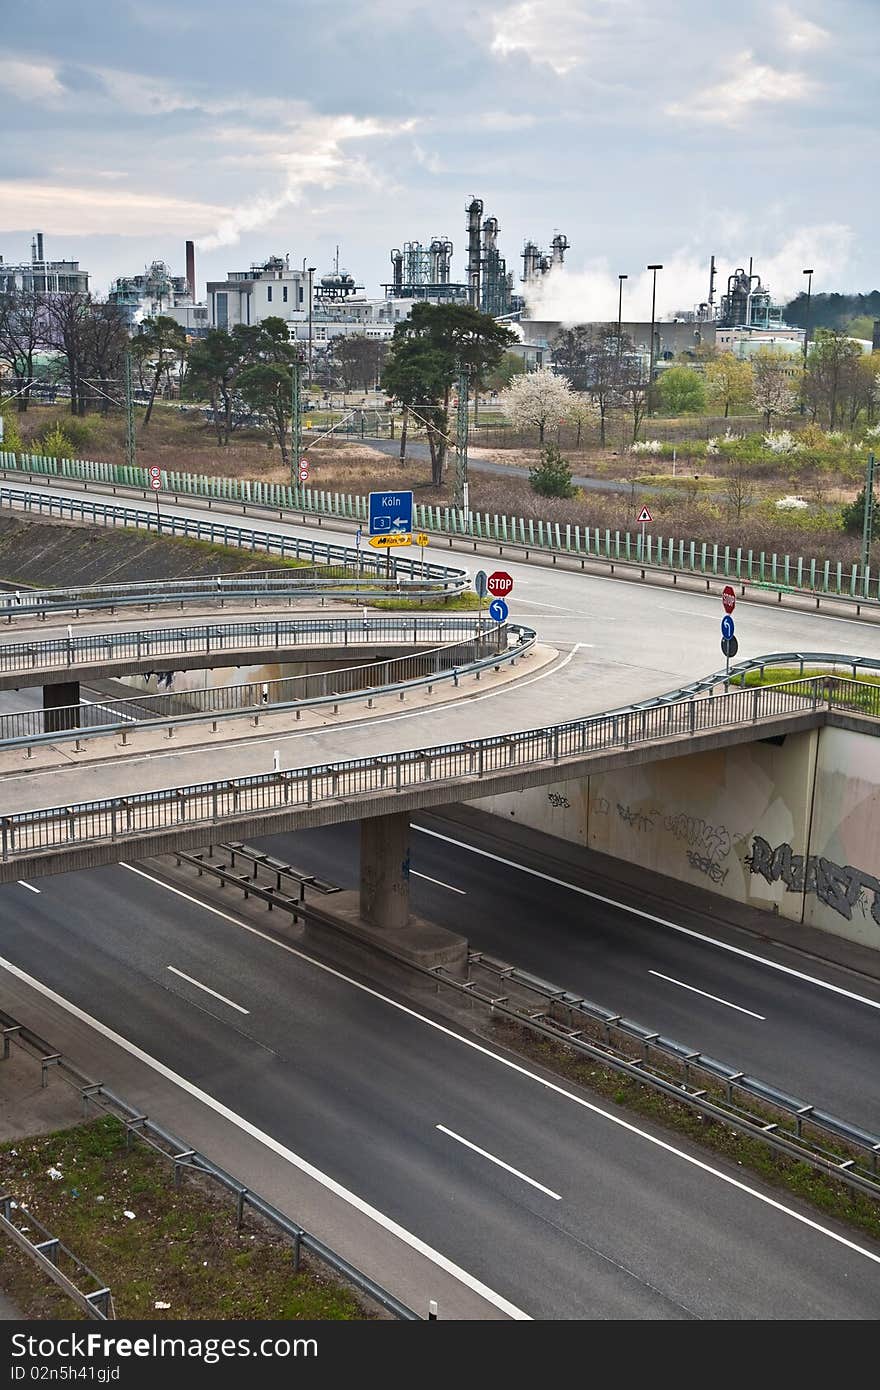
555 33
591 295
69 210
750 84
26 81
798 33
312 154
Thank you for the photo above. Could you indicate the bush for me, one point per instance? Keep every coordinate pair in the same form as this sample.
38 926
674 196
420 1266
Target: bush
552 476
854 517
55 443
11 437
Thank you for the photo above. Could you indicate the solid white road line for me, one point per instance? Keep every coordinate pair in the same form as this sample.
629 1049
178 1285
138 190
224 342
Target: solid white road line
492 1159
650 917
439 882
475 1046
28 885
132 718
262 1137
222 997
726 1002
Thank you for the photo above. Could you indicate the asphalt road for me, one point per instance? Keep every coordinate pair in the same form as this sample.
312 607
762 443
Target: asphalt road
799 1035
565 1208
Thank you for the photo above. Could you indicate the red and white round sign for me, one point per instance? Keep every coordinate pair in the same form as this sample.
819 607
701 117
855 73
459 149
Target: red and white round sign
728 598
156 484
155 471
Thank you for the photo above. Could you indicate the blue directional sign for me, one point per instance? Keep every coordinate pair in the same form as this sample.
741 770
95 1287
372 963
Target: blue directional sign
727 627
390 512
498 610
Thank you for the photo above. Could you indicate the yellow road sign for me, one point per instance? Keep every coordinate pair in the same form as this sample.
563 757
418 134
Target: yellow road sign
383 542
421 539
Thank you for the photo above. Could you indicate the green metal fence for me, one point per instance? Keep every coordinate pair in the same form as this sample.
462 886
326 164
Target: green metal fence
670 553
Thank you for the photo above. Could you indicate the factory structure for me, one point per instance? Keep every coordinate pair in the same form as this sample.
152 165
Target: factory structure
42 276
157 291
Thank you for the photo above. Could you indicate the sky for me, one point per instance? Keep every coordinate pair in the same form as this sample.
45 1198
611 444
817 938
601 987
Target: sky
644 132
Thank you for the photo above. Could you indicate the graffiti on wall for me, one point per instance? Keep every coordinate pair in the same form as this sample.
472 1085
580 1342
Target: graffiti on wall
840 887
710 841
558 801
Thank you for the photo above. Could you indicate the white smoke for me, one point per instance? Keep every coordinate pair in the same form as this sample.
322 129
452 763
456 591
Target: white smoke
591 295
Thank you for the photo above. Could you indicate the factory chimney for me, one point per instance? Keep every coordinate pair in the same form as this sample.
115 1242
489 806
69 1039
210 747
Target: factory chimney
191 269
474 214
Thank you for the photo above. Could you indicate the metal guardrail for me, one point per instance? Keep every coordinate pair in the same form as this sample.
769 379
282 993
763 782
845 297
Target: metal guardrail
210 803
66 653
804 576
182 1157
398 674
48 1253
791 1125
868 694
359 572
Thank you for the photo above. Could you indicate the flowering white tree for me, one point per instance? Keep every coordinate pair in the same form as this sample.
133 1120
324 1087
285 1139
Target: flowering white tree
773 392
538 399
583 412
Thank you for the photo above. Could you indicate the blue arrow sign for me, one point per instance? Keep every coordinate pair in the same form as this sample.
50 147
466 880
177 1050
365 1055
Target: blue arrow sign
498 610
727 626
390 512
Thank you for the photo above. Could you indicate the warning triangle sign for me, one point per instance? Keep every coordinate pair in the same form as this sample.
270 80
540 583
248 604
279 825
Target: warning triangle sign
645 515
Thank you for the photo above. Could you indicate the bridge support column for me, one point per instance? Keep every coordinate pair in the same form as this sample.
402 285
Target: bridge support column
379 914
385 870
61 706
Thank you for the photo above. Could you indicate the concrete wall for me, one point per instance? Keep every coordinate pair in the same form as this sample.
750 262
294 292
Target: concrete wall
791 826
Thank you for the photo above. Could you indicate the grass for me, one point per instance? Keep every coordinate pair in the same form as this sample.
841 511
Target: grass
181 1247
457 603
866 698
833 1199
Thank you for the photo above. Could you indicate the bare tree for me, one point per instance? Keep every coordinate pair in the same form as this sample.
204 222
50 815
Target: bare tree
22 333
69 325
739 487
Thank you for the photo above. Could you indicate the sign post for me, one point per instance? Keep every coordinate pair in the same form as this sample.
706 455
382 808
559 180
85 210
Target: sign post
729 644
645 519
421 542
481 589
156 485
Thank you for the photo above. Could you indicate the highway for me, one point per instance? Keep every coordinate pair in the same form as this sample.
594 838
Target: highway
799 1034
598 1218
564 1207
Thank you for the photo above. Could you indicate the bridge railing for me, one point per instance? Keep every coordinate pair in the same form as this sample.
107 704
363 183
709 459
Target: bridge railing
211 803
278 634
451 662
670 553
864 696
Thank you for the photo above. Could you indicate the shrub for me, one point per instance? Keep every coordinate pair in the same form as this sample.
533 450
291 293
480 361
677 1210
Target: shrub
55 443
11 436
552 476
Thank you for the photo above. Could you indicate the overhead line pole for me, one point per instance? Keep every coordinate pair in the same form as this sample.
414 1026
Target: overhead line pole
295 423
868 522
461 499
130 442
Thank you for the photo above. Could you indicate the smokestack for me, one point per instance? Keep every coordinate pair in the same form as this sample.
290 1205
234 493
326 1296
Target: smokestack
191 269
39 246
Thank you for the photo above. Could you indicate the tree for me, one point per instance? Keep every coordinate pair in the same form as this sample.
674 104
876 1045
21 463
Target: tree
682 391
739 488
429 350
569 349
105 341
358 360
584 412
832 375
774 390
511 365
552 476
214 364
729 381
537 399
22 333
267 389
853 516
68 322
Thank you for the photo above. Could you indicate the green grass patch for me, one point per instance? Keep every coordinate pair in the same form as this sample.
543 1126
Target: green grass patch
455 603
181 1247
832 1198
861 692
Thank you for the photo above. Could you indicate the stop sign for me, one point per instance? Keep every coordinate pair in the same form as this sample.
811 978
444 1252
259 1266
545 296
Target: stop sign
728 598
499 583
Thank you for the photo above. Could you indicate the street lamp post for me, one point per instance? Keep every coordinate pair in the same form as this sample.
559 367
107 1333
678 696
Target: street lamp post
621 279
654 268
311 282
809 275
